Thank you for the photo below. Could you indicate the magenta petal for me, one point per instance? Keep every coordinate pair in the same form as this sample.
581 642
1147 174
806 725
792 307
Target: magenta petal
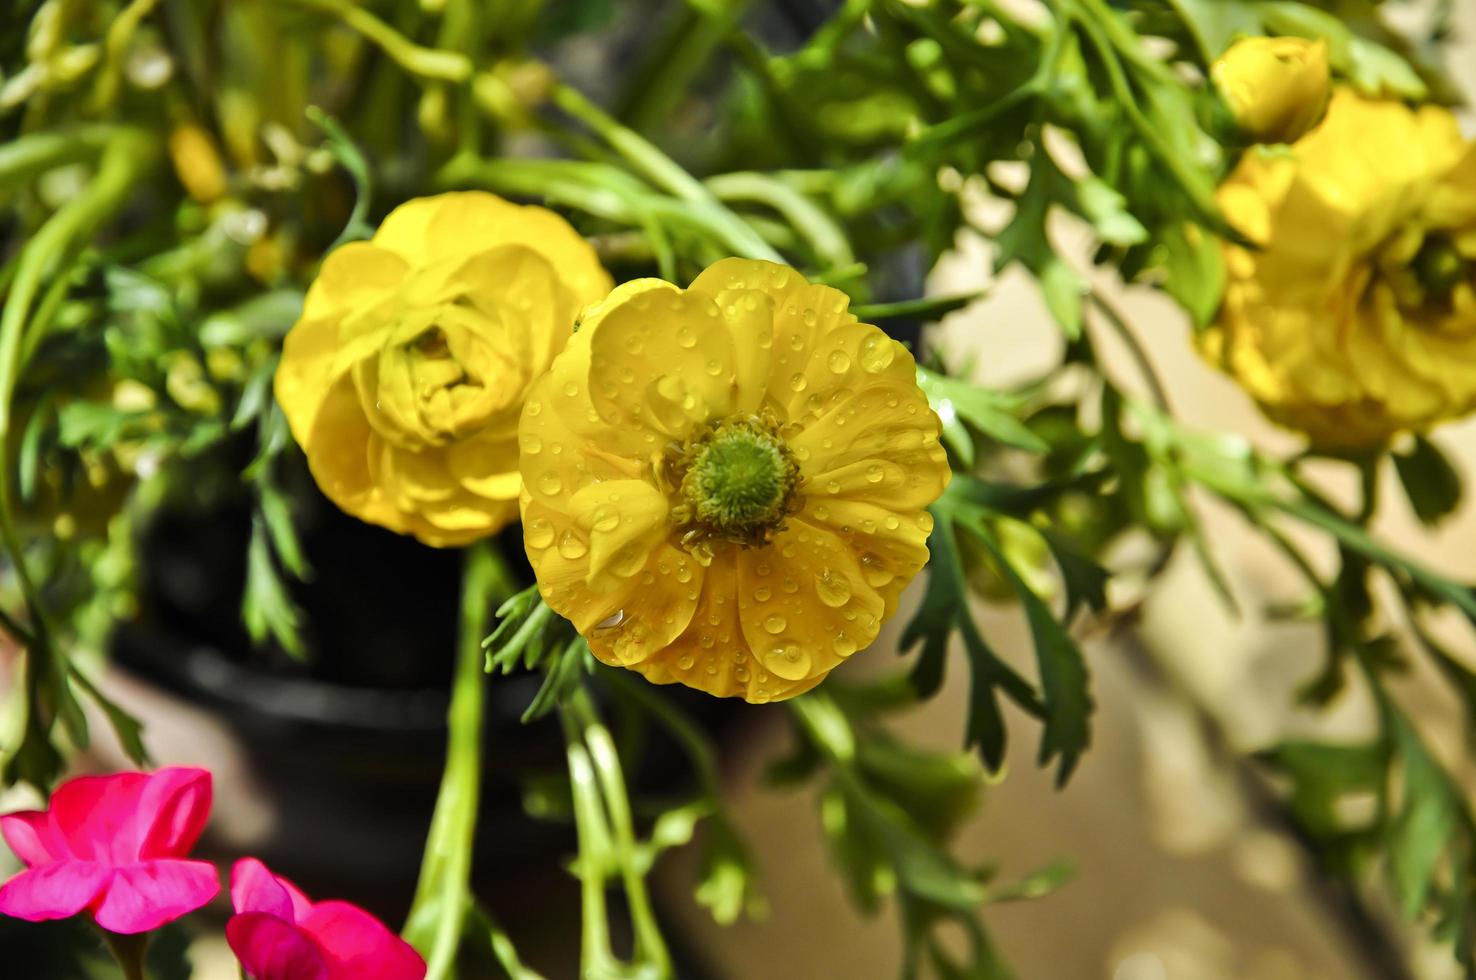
95 815
256 889
360 947
270 949
53 891
146 895
171 812
32 838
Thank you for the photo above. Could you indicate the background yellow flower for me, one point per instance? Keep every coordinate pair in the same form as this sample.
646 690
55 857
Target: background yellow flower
726 486
1356 318
404 378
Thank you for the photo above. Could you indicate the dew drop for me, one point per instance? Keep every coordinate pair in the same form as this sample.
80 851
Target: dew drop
875 473
550 483
532 445
775 624
686 336
797 383
876 354
571 545
874 570
606 519
761 594
832 589
839 361
538 533
612 621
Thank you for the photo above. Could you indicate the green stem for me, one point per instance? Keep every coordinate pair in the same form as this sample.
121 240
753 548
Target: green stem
129 952
650 947
596 958
443 893
662 171
429 63
823 232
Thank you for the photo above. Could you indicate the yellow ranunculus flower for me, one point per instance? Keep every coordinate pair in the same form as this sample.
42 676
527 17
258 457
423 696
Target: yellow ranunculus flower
727 486
1276 87
1356 319
405 376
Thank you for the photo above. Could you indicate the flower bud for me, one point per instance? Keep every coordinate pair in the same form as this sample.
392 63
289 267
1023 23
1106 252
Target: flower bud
1276 87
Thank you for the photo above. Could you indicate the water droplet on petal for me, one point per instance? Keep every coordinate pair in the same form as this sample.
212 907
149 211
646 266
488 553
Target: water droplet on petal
832 589
550 483
538 533
838 361
572 545
775 624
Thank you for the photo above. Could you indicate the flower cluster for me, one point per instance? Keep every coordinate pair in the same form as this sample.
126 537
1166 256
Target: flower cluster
115 847
724 486
1354 316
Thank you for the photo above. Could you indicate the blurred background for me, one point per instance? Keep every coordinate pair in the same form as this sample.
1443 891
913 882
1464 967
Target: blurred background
1182 865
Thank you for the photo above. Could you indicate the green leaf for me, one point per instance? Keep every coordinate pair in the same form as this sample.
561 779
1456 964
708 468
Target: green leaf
1024 240
1194 269
351 158
1422 828
1431 482
1063 672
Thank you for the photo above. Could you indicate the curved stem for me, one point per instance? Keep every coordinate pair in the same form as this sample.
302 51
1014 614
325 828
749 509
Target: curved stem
443 893
650 947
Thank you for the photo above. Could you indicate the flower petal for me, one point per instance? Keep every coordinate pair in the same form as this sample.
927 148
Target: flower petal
661 359
891 548
32 837
657 608
802 314
354 275
146 895
711 654
623 521
53 891
96 815
172 811
358 946
271 949
464 222
805 605
338 447
254 888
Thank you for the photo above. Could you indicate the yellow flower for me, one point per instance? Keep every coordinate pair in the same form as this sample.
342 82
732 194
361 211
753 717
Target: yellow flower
1276 87
726 486
405 375
1356 319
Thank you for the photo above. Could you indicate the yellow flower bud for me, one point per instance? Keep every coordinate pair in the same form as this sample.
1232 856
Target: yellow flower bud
1276 87
197 163
404 379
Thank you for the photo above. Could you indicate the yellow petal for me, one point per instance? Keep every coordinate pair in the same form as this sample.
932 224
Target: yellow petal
353 276
625 520
663 359
804 604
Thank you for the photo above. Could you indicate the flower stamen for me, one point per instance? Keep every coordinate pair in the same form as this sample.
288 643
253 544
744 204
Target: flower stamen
737 481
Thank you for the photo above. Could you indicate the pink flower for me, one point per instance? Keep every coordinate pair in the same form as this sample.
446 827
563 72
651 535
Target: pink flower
114 846
278 934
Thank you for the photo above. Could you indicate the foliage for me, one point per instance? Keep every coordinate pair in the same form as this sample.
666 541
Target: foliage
174 172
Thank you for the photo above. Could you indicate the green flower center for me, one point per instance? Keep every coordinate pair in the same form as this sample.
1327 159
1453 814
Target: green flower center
1439 267
738 481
